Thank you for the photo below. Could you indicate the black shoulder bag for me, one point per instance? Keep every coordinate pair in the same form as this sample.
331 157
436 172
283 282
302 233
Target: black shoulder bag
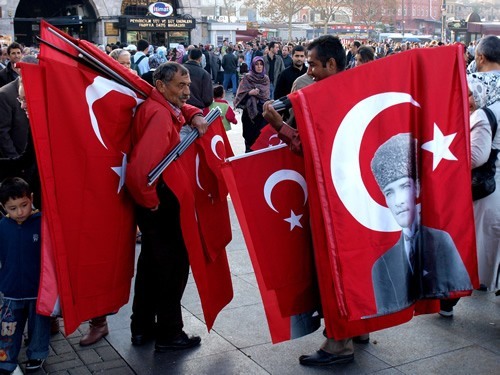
483 177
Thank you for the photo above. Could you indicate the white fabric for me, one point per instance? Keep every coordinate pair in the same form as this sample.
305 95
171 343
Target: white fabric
487 210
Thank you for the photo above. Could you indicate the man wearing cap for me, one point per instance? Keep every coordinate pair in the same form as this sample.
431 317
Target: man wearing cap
425 262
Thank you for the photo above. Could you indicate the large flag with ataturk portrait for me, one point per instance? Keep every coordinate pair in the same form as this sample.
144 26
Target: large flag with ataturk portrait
387 158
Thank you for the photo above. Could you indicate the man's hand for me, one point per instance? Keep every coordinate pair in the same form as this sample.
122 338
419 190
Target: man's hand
199 123
272 116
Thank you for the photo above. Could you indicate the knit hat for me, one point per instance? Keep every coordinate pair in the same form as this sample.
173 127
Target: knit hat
395 159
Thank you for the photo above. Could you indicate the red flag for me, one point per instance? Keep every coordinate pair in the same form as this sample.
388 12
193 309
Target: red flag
208 260
81 147
211 191
270 196
355 227
268 137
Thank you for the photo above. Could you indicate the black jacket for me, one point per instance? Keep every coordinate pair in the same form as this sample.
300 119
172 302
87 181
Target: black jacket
202 94
7 75
286 80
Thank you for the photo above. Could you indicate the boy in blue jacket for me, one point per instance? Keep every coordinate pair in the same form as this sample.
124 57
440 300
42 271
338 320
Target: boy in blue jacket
20 244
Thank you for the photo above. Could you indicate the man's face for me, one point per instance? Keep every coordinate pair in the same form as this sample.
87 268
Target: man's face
177 90
275 49
480 59
400 197
22 100
285 51
316 68
19 209
298 59
4 56
15 55
354 49
124 59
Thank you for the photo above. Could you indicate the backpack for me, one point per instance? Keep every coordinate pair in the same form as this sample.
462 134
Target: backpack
483 177
135 65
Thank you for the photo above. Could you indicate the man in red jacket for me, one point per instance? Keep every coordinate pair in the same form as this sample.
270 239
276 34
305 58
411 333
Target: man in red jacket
163 265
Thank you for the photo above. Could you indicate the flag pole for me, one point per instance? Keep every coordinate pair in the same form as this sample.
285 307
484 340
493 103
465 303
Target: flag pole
96 63
181 147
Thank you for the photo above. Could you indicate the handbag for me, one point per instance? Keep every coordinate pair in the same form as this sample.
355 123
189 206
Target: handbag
483 177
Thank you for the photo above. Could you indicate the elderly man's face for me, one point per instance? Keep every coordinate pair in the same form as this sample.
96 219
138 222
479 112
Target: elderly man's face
400 198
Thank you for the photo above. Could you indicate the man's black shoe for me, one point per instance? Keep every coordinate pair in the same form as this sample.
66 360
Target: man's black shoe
140 339
182 341
365 339
322 358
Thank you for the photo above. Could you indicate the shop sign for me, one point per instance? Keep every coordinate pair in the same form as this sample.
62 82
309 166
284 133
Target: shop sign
154 24
161 9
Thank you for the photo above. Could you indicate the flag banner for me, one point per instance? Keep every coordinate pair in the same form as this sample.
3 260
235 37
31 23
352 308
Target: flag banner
380 160
268 137
81 147
208 259
270 197
211 191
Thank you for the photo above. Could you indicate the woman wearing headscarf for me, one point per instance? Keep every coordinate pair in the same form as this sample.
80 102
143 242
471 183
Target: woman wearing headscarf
253 92
485 89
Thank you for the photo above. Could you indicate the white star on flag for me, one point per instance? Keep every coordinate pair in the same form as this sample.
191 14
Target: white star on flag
440 147
120 171
294 220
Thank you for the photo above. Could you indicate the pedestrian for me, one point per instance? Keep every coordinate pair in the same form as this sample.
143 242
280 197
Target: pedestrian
326 57
20 259
163 265
228 115
230 66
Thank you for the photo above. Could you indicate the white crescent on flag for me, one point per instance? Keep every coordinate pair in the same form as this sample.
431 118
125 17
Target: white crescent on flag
97 90
344 163
213 144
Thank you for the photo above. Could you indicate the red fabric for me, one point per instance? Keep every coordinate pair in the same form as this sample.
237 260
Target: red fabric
268 137
91 221
346 249
281 255
211 191
209 265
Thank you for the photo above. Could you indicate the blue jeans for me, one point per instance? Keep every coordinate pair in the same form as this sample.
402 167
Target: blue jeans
234 81
271 91
13 316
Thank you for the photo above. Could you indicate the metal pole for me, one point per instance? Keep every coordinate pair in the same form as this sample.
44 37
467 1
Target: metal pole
443 21
403 18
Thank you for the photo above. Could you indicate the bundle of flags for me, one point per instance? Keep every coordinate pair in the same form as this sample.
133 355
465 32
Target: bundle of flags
332 191
81 104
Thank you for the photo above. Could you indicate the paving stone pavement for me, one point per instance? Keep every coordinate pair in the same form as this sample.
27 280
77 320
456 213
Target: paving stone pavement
239 343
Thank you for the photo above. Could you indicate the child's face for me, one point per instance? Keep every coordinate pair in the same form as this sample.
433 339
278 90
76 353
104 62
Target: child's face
19 209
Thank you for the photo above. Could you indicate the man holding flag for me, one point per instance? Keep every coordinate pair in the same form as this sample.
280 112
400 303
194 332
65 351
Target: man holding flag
163 265
326 57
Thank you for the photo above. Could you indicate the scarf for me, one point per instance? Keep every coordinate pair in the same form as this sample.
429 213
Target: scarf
485 87
250 81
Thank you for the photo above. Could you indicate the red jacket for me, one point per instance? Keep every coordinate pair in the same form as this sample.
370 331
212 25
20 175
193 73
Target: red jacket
155 132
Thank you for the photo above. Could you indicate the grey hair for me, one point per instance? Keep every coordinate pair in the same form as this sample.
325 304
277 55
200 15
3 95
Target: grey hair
489 47
166 71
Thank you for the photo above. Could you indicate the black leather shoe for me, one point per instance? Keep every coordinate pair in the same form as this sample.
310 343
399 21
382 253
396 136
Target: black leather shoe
361 339
322 358
140 339
181 342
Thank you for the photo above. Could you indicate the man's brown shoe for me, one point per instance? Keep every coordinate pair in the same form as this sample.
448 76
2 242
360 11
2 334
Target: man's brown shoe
98 328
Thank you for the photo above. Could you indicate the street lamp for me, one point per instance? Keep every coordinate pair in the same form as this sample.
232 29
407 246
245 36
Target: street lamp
403 17
443 21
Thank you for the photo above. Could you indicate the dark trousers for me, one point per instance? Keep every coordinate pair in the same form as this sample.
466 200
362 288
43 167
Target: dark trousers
162 270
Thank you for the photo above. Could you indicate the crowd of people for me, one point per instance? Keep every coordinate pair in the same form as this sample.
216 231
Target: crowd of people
188 81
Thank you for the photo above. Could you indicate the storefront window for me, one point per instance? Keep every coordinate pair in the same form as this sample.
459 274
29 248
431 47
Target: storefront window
135 7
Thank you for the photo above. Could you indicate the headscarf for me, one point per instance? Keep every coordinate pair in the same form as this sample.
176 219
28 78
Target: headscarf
161 54
250 81
180 53
485 87
253 71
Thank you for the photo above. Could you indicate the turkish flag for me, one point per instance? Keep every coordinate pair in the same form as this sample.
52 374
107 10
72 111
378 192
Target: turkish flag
355 225
211 192
268 137
270 197
81 122
207 255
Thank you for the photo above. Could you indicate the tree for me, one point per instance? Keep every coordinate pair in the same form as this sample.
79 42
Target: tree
370 12
328 8
281 10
